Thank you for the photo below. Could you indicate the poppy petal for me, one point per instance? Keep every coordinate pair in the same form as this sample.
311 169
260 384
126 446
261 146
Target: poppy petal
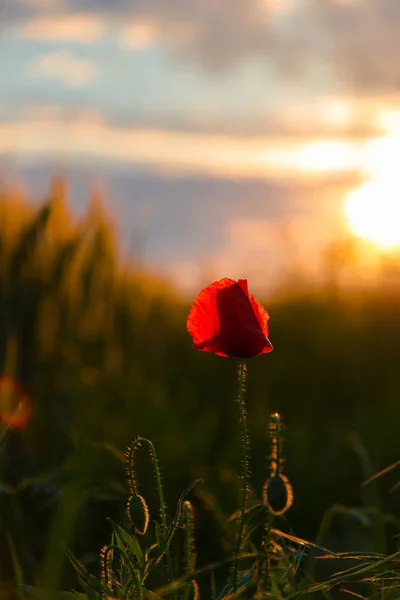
243 284
203 318
263 318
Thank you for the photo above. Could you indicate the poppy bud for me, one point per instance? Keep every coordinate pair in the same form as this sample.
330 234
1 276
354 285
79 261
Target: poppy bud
277 494
138 513
226 320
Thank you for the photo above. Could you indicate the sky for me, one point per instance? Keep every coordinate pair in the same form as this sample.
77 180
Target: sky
227 136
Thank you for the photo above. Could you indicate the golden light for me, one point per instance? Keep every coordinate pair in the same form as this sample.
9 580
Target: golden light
326 155
373 213
380 158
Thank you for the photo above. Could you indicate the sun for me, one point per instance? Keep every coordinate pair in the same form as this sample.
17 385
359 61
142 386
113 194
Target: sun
373 213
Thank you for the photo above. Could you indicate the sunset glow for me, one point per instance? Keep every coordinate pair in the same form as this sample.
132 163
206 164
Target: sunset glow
373 213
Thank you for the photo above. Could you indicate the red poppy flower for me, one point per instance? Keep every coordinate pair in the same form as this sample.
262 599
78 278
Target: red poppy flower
15 405
226 320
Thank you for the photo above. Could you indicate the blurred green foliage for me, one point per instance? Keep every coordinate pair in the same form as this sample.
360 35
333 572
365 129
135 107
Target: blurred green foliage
103 351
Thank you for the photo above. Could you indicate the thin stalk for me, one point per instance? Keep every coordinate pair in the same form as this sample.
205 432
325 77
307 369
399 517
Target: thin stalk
160 490
245 465
188 555
162 507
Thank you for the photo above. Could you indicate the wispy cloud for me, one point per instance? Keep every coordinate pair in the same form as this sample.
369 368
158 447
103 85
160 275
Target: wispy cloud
75 28
181 152
139 35
63 66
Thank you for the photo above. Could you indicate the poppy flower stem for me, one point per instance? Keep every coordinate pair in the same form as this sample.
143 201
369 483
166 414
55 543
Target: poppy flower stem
242 370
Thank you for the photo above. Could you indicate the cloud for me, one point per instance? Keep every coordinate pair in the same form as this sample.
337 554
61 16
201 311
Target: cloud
357 41
84 135
139 35
63 66
323 116
334 44
353 42
75 28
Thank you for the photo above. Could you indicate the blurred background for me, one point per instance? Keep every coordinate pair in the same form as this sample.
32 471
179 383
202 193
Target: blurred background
147 148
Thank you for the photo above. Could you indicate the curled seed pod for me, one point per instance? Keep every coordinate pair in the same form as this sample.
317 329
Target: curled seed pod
138 513
277 494
194 590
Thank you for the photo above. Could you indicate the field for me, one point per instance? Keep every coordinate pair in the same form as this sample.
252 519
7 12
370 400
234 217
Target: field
102 350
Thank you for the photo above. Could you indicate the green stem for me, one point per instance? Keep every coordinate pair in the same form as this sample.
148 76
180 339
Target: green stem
159 484
162 507
245 445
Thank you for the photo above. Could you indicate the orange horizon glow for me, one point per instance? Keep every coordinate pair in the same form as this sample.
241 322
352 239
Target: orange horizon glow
48 131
